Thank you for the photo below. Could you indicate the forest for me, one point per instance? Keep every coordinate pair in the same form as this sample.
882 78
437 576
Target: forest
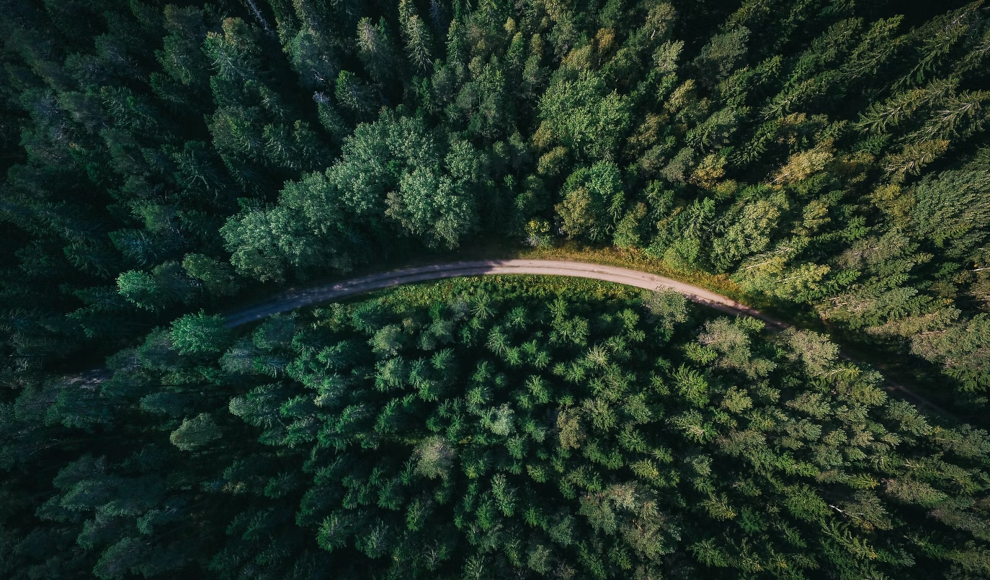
165 161
569 430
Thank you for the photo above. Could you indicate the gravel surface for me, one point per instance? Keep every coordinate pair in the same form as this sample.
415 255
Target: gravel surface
296 298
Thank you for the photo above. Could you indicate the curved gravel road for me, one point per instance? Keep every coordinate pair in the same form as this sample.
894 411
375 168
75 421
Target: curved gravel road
292 299
296 298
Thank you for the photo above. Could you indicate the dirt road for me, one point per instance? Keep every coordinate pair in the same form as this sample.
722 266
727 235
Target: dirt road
292 299
297 298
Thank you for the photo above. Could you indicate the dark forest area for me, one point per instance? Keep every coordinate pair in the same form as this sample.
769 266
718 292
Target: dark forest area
163 161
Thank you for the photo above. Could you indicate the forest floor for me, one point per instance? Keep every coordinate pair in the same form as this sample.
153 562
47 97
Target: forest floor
293 298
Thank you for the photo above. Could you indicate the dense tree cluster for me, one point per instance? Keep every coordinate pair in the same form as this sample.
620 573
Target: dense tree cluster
485 431
823 154
160 160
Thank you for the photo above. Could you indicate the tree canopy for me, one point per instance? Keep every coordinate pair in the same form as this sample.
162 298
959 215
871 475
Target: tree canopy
477 429
162 162
829 158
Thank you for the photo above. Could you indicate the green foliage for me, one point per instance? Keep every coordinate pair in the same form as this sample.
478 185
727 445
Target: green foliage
195 433
218 277
770 143
961 349
582 116
829 158
200 334
166 285
952 210
722 53
593 202
675 441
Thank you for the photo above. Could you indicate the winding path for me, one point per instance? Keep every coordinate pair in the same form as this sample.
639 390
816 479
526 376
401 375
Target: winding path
292 299
296 298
